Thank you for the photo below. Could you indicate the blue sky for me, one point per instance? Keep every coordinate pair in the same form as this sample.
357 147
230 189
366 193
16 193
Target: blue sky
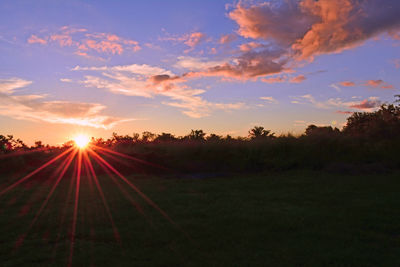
171 66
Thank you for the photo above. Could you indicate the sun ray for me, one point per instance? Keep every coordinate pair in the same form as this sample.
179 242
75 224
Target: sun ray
34 172
75 215
64 212
66 166
107 208
130 157
21 153
123 190
137 190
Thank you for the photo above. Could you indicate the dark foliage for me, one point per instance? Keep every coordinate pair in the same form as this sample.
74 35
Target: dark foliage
368 143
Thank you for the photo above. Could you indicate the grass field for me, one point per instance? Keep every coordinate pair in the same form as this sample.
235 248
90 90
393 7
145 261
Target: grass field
272 219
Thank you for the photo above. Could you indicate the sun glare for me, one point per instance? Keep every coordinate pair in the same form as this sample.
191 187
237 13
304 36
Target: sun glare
81 141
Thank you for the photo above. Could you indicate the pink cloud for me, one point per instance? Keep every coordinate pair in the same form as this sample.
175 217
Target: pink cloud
36 40
249 65
86 43
278 79
298 79
249 46
190 39
344 112
62 39
227 38
194 39
105 46
367 104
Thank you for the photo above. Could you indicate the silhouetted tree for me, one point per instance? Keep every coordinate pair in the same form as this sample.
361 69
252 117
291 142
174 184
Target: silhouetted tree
196 135
381 124
258 132
148 137
38 144
214 138
165 137
135 137
321 131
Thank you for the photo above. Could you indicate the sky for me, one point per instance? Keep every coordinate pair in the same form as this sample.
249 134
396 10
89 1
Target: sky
99 67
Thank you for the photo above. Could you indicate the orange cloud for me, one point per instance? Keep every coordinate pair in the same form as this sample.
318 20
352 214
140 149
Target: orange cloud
379 84
309 28
347 83
280 21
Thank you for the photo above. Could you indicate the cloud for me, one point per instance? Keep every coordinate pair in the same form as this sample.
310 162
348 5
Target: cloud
287 31
65 80
8 86
190 39
36 40
298 79
227 38
149 81
194 39
347 84
368 104
196 64
282 21
85 43
344 112
35 108
308 28
249 65
194 106
269 99
250 46
279 79
378 84
285 78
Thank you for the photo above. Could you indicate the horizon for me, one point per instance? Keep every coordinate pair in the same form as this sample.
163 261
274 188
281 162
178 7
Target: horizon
220 66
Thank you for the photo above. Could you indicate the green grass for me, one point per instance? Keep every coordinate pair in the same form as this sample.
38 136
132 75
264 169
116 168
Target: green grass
274 219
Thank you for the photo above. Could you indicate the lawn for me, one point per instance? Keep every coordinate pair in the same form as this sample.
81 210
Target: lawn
302 218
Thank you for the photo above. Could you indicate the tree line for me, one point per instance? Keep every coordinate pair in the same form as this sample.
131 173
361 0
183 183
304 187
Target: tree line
383 123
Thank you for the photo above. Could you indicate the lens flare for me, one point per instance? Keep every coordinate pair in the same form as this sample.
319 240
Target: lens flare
81 141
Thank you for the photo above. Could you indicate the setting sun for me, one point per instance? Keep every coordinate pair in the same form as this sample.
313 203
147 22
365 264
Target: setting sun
81 141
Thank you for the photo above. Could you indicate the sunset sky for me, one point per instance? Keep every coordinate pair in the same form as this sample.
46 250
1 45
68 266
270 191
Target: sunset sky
99 67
